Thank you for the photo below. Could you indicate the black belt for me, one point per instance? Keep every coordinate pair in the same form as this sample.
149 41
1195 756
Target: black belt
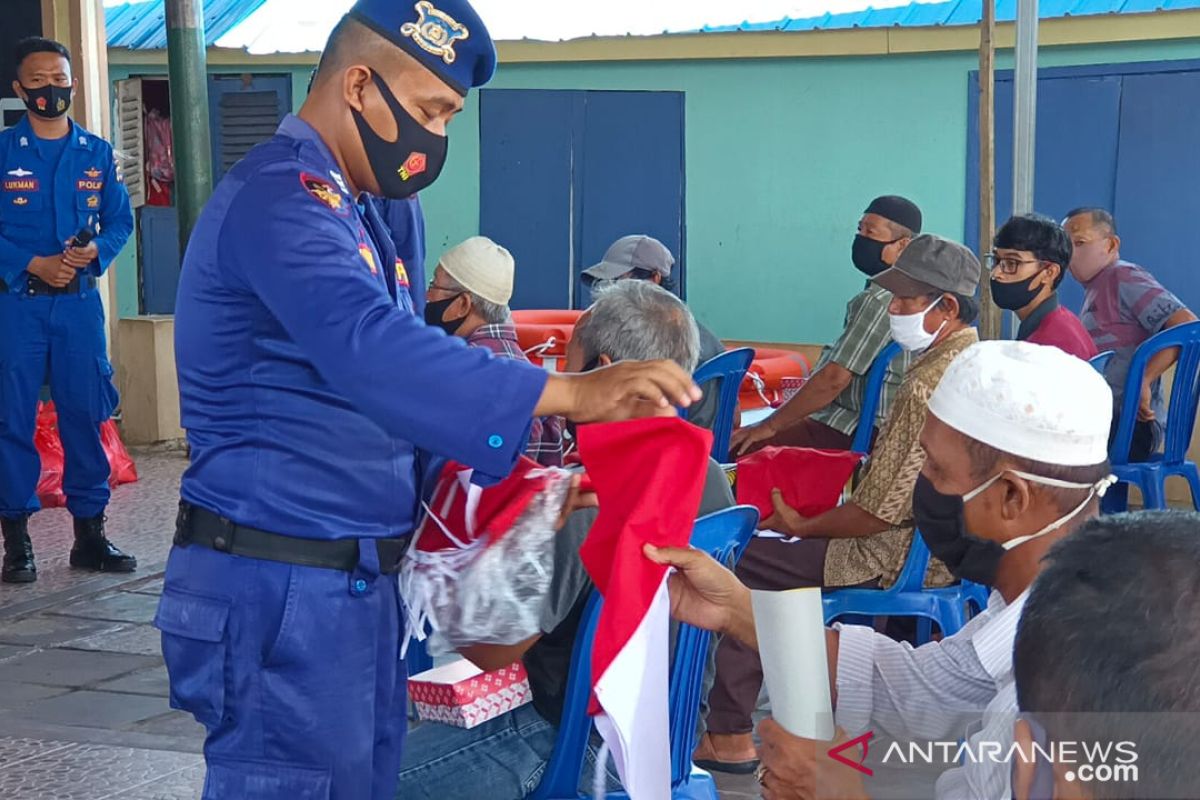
196 525
35 286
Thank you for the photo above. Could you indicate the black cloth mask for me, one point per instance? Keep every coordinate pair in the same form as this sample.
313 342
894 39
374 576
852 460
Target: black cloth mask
867 255
1016 295
939 517
48 102
436 309
409 164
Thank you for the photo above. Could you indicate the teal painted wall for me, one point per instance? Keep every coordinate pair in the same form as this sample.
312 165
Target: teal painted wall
782 156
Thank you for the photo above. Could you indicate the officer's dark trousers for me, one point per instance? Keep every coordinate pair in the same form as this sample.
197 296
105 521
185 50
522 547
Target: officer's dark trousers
65 332
295 672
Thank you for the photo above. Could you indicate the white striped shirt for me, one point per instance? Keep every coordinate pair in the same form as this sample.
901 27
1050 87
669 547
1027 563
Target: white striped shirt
941 691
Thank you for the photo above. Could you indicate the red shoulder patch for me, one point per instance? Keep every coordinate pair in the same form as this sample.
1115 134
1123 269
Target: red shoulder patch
325 193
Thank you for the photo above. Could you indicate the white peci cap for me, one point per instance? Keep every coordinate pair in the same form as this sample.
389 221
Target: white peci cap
482 267
1029 400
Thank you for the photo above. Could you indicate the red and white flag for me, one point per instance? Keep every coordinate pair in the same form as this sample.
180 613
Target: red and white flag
649 476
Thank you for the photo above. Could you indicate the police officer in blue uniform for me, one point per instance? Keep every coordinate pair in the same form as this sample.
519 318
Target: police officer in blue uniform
405 222
64 216
306 383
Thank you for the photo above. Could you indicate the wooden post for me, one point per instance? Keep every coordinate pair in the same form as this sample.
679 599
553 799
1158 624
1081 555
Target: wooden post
79 24
989 320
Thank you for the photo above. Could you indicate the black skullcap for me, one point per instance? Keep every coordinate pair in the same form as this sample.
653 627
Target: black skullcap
899 210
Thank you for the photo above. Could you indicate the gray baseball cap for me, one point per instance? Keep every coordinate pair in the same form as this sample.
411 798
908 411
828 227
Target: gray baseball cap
931 264
633 252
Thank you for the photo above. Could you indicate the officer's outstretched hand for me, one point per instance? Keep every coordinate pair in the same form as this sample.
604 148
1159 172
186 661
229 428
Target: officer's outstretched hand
624 390
51 270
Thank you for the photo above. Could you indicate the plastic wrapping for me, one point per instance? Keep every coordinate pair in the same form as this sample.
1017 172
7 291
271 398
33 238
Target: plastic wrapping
480 566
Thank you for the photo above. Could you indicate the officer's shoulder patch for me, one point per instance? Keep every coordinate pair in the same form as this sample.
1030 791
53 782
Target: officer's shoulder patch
325 193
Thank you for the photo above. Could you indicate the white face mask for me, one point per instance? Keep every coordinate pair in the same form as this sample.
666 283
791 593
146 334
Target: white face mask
1097 490
908 330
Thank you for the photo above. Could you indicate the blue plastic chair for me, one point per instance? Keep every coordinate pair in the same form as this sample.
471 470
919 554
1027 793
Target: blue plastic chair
1100 361
722 535
728 370
1151 476
870 407
907 597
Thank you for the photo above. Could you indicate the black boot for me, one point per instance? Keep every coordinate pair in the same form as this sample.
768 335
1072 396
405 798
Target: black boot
93 551
18 552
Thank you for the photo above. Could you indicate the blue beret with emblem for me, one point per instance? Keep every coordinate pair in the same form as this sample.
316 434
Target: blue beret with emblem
446 36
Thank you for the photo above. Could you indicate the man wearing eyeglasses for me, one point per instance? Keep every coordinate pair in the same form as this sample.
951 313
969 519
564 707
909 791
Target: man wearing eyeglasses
1028 265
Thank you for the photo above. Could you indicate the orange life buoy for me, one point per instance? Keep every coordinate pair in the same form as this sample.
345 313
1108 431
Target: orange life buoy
763 385
543 334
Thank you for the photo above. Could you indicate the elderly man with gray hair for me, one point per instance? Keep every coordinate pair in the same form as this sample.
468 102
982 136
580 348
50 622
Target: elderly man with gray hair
504 758
468 297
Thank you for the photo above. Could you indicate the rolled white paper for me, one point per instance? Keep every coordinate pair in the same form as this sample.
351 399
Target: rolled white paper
791 643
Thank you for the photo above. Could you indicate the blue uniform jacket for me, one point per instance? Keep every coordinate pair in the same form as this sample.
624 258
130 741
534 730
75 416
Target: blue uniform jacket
305 380
406 223
86 191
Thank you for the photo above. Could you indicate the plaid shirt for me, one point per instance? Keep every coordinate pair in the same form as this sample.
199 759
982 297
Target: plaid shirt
865 334
545 436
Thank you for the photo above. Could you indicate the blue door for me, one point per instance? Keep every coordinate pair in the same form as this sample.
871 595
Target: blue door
243 111
1116 136
1078 119
1158 178
563 174
158 245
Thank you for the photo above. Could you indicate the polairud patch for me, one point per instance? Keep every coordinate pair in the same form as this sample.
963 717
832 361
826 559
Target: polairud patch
325 193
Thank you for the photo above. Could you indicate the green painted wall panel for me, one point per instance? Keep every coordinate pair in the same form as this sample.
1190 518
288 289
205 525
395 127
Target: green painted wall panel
782 155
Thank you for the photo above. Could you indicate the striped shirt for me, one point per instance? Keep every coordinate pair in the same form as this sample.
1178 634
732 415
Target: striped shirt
865 333
546 434
961 687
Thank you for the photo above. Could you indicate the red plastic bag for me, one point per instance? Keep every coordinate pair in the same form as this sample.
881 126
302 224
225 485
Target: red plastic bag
119 460
49 447
811 480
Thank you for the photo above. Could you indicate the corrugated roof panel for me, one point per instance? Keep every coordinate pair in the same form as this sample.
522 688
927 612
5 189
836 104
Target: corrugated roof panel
142 25
953 12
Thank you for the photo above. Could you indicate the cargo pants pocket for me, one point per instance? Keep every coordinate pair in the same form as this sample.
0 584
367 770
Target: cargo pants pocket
229 778
194 645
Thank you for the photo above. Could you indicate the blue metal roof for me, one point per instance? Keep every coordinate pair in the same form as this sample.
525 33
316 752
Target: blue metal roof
954 12
142 25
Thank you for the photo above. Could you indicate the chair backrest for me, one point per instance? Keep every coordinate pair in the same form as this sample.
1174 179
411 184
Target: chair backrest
727 371
916 564
1185 393
1100 361
722 535
874 391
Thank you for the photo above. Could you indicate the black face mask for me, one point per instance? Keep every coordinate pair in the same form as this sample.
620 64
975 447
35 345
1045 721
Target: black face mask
867 255
939 518
435 309
1014 296
409 164
48 102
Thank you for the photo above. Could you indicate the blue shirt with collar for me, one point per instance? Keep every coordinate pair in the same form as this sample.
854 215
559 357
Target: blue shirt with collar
305 380
45 200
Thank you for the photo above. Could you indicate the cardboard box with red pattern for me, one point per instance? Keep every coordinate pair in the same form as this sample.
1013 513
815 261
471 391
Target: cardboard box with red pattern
463 695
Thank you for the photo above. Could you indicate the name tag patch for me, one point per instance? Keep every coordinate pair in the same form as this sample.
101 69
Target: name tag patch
21 185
